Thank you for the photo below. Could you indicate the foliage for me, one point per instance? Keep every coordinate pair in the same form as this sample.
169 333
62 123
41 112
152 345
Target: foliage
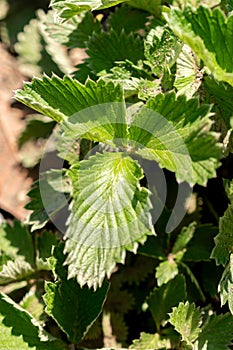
125 244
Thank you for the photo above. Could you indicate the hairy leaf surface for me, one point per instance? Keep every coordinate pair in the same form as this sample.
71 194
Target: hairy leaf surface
224 240
104 49
16 241
72 307
60 98
109 216
175 132
186 320
20 330
209 34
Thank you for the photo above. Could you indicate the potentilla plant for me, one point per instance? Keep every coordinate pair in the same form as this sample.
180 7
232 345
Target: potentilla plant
141 126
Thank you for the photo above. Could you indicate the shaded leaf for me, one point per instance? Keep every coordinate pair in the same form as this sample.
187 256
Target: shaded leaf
102 123
150 6
73 308
36 127
38 52
162 299
131 19
105 49
48 196
44 242
20 330
201 252
193 285
74 32
221 339
220 93
153 247
16 242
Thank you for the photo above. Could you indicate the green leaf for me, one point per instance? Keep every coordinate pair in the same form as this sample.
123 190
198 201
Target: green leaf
48 196
84 72
129 18
217 333
162 48
32 303
17 251
221 94
109 216
188 75
224 240
16 242
44 242
183 238
150 342
162 299
201 252
16 270
73 308
104 49
69 8
122 76
153 247
226 285
74 32
38 52
20 330
186 319
153 7
193 285
37 126
175 132
166 271
228 187
60 98
209 34
133 79
103 123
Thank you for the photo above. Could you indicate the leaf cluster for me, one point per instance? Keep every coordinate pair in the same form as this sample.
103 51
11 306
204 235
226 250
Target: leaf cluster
140 128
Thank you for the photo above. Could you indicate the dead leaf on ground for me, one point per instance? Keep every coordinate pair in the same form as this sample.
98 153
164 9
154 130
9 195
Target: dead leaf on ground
14 180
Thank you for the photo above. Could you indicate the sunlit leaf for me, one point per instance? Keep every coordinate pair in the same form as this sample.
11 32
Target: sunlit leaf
209 34
109 216
186 319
